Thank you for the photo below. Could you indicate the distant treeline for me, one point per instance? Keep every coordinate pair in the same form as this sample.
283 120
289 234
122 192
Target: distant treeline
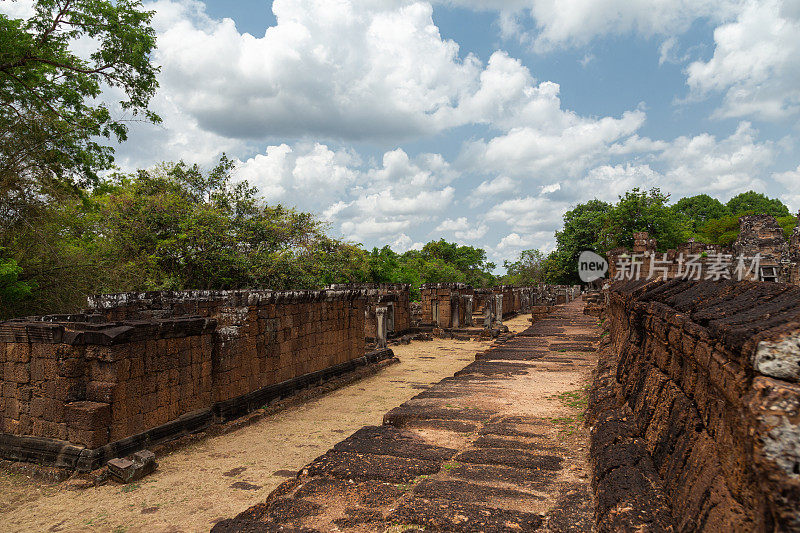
177 227
602 226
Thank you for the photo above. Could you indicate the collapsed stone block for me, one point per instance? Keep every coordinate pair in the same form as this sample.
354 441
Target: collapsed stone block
134 467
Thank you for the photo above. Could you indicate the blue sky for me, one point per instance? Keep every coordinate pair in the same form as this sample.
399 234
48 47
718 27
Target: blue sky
402 121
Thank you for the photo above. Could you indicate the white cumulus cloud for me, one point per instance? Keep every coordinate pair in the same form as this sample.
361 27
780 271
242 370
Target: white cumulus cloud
756 62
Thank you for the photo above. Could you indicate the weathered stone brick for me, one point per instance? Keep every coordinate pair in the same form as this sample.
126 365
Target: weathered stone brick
88 415
90 438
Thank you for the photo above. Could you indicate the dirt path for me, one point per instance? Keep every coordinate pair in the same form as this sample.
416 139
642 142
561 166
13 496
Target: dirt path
498 447
219 477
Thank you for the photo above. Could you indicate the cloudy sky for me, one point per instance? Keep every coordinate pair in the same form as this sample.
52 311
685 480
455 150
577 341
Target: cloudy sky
480 121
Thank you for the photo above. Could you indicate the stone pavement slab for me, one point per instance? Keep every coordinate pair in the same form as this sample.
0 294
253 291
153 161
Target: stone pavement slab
500 446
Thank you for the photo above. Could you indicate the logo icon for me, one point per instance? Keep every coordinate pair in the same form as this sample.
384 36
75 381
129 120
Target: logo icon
591 266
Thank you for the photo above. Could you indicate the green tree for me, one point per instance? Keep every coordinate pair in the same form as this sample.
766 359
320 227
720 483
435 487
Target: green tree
724 231
55 131
384 265
787 224
644 211
50 117
582 229
468 264
700 209
177 227
12 289
751 202
528 270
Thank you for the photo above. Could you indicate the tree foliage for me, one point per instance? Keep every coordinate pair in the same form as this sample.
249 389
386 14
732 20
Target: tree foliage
55 132
176 227
50 117
179 227
437 262
600 226
751 202
171 227
646 211
528 270
11 288
724 231
582 230
700 209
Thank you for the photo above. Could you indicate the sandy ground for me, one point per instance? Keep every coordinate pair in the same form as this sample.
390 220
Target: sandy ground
215 478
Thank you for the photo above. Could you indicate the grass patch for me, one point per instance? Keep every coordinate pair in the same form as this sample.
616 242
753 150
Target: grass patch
129 488
405 487
568 425
397 528
102 517
577 399
451 465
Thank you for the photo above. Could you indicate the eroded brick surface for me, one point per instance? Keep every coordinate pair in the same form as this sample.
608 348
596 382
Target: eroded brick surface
683 414
135 362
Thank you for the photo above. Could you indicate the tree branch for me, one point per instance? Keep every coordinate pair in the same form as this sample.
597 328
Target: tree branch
30 90
56 21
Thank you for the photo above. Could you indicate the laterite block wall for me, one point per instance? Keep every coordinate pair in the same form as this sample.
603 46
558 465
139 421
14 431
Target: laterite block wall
381 295
136 362
447 295
696 407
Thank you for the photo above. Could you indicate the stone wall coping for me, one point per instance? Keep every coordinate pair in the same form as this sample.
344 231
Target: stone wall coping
237 298
370 286
756 320
445 286
104 333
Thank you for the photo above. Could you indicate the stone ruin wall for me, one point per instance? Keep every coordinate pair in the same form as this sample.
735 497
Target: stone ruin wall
758 234
514 300
509 306
447 295
481 298
139 361
794 253
396 295
694 410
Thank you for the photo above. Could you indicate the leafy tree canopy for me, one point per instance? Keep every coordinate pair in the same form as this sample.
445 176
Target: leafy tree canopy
751 202
700 209
644 211
50 118
178 227
470 261
11 288
527 271
582 229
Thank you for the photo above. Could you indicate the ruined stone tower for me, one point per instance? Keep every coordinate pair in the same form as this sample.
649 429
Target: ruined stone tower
794 254
642 243
761 234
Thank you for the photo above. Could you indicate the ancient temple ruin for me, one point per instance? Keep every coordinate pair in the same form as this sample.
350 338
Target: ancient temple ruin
136 369
387 308
761 252
139 368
